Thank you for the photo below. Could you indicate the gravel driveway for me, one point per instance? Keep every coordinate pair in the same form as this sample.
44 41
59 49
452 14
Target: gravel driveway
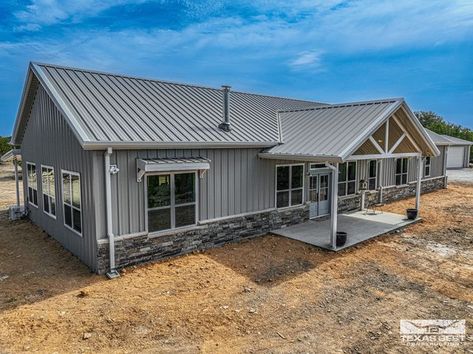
464 175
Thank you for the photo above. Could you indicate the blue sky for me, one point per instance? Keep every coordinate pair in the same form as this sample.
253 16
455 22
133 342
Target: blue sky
331 51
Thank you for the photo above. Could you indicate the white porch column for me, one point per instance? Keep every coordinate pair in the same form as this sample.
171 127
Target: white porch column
15 163
419 182
334 206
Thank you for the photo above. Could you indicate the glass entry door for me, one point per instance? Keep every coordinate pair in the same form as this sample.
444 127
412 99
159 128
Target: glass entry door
319 191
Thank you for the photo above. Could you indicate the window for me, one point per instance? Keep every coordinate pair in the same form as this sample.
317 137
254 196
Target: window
347 178
401 171
49 190
289 185
372 174
171 201
427 167
32 181
71 199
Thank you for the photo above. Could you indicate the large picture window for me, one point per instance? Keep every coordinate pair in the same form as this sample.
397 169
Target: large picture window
289 185
32 181
49 190
71 198
171 201
347 178
427 166
401 171
372 174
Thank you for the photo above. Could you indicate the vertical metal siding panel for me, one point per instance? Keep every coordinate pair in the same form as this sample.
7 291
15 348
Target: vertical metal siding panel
412 171
212 190
48 140
225 176
133 200
238 182
389 168
231 181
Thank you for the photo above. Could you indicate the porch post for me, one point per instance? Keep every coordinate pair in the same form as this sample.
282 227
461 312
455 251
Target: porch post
419 183
15 163
334 206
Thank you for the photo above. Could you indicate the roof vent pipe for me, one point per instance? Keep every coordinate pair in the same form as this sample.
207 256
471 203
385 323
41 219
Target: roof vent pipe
225 125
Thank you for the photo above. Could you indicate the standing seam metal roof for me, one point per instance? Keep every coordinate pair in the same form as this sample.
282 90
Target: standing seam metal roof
116 109
330 130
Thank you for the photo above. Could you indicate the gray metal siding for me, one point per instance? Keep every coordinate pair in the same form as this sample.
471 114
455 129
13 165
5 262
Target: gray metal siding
438 163
238 182
48 140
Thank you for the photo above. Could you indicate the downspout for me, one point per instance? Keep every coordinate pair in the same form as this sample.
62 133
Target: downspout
15 163
112 273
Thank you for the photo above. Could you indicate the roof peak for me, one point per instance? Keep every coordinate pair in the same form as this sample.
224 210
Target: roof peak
169 82
346 104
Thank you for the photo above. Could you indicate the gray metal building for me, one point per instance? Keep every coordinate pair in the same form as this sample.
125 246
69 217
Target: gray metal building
122 170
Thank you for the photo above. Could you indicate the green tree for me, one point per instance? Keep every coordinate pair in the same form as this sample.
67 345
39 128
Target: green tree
439 125
4 144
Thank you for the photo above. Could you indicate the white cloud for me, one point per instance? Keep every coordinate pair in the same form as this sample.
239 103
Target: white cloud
48 12
306 60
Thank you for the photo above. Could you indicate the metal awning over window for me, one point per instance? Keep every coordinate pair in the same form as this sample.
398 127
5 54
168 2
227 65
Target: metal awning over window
200 164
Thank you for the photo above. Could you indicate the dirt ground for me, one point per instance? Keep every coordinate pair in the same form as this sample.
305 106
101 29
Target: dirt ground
269 294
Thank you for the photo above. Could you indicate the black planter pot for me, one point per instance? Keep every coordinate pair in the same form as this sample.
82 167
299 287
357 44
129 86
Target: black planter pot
341 238
411 214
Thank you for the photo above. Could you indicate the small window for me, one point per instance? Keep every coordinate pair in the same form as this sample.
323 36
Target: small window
401 171
71 198
49 190
171 201
32 181
289 185
347 178
427 167
372 175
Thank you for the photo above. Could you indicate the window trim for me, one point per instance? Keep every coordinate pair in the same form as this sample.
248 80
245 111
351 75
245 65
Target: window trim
375 177
290 181
402 173
28 184
172 206
429 165
72 173
347 181
42 190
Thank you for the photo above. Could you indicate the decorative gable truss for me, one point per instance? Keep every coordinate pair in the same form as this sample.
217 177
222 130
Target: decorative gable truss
396 137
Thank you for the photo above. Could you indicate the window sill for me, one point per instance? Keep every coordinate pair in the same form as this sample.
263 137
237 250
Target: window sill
50 215
77 233
34 205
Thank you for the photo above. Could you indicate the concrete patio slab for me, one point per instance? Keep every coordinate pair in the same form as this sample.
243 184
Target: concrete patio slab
359 226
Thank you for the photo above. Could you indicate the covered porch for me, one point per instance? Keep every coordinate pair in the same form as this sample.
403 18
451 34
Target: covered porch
360 226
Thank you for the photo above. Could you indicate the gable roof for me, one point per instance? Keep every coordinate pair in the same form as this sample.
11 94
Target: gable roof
106 109
334 132
437 138
457 141
442 139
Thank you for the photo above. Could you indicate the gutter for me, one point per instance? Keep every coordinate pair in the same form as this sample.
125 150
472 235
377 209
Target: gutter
109 170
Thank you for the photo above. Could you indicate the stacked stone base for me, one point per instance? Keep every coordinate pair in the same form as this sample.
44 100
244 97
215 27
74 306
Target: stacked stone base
144 248
391 194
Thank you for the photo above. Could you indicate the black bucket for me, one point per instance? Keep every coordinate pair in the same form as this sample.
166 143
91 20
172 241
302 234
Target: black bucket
341 238
411 214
